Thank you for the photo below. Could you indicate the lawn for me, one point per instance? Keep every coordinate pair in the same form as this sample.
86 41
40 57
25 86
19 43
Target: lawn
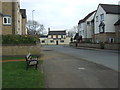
14 75
12 58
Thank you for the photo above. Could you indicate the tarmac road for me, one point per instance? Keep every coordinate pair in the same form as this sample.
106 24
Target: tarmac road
63 70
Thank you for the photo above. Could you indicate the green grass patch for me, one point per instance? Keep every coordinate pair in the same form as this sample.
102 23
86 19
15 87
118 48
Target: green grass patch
15 75
12 58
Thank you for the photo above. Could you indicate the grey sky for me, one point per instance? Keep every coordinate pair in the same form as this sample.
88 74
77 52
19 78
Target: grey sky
61 14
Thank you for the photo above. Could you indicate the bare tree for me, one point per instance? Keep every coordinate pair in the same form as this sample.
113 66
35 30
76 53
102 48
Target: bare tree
73 31
35 28
41 29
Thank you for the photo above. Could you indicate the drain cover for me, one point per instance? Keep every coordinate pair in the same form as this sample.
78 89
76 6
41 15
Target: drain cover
81 68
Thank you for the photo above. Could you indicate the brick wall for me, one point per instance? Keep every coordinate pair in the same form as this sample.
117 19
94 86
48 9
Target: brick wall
11 9
88 45
21 50
7 10
24 26
104 36
112 46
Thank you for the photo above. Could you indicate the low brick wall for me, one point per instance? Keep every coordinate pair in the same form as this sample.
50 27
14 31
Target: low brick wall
112 46
21 49
89 45
99 46
72 44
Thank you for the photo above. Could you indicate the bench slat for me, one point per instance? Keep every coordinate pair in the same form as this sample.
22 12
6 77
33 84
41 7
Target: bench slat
31 61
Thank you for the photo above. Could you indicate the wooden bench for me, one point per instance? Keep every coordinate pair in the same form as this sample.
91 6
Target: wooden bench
31 61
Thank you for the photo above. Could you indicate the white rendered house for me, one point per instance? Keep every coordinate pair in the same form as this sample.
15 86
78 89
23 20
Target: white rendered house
55 38
105 18
85 27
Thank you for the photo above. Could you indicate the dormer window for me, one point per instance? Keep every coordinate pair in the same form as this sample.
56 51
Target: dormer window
7 20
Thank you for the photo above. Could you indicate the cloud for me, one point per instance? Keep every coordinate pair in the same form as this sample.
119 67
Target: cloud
61 13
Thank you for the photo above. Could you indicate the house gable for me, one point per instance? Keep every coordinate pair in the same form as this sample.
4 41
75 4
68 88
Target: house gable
104 20
97 18
84 25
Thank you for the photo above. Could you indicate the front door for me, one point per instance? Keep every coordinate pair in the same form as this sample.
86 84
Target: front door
56 42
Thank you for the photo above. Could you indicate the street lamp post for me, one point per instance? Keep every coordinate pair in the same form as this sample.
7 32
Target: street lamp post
32 19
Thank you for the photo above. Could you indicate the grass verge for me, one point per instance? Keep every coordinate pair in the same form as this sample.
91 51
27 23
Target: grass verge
14 75
12 58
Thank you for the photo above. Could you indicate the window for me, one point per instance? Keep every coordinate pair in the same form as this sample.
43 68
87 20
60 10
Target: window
102 29
51 41
43 41
7 20
56 36
111 40
88 23
102 17
62 41
96 18
51 36
61 36
80 25
80 33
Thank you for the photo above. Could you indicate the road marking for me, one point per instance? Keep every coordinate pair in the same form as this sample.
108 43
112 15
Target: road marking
81 68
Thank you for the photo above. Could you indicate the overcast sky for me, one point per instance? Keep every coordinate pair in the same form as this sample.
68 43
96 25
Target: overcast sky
61 14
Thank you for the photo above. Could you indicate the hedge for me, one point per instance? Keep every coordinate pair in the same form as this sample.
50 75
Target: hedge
19 39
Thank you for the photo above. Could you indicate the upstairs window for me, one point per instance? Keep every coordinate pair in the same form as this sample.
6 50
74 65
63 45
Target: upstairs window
51 36
43 41
102 17
80 25
61 36
56 36
88 23
96 18
7 20
80 32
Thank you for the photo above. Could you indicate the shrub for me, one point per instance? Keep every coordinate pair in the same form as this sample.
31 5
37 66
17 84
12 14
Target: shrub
19 39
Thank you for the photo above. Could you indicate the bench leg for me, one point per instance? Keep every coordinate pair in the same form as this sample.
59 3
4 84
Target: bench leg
36 66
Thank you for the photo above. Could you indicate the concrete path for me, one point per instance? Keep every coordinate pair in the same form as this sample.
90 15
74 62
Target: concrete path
67 71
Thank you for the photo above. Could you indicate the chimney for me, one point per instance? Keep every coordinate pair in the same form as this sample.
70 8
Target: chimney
48 29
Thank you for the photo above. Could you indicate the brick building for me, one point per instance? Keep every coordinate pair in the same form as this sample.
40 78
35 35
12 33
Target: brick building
12 18
0 17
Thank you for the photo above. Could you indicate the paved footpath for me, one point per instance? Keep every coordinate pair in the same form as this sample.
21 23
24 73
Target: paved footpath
66 71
